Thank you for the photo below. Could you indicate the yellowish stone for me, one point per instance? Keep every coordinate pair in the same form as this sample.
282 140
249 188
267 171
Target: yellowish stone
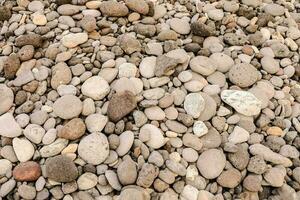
39 19
93 4
274 130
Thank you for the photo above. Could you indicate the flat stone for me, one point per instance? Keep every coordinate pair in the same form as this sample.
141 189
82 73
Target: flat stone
203 65
6 99
156 138
181 26
120 105
94 148
7 187
23 148
95 122
34 133
68 9
238 135
165 65
126 141
139 6
5 167
243 102
194 104
129 44
67 107
27 171
95 87
199 128
113 9
229 178
61 75
87 181
274 9
27 191
211 163
147 175
74 39
130 176
9 127
73 129
61 169
147 67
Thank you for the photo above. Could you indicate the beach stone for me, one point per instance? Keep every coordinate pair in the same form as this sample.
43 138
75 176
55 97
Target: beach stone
203 65
126 141
215 14
23 149
29 39
73 129
95 122
147 175
269 64
139 6
120 105
240 157
222 61
211 163
199 128
10 66
129 44
229 178
68 9
257 165
165 65
88 23
275 176
155 113
209 111
53 148
94 148
280 50
5 167
95 87
7 187
26 52
34 133
243 102
194 104
243 75
154 135
87 181
147 67
61 169
5 13
74 39
39 19
181 26
35 6
61 75
27 191
67 107
113 9
200 29
191 140
6 99
130 176
27 171
134 193
238 135
274 9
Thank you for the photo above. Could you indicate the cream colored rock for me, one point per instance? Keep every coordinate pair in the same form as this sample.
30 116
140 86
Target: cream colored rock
74 39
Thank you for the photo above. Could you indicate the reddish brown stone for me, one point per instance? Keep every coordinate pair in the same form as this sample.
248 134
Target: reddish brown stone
11 66
73 130
27 171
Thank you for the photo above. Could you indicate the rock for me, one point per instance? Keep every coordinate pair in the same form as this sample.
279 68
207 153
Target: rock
155 138
54 148
189 192
5 167
192 141
6 99
88 23
74 39
275 176
165 65
176 167
87 181
95 87
120 105
199 128
129 167
243 102
34 6
26 52
155 113
238 135
27 171
243 75
289 151
29 39
147 67
201 29
194 104
34 133
253 182
113 9
134 193
269 155
274 130
229 178
257 165
39 19
181 26
94 148
68 9
62 2
215 14
129 44
73 129
126 141
67 107
5 13
234 39
139 6
145 29
280 50
203 65
274 9
11 66
95 122
222 61
61 169
147 175
211 163
167 35
209 111
27 191
24 150
240 157
7 187
61 75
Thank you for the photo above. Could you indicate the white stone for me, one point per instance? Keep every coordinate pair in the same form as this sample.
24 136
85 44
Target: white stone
243 102
181 26
147 67
194 104
127 70
155 113
95 87
238 135
34 133
156 138
39 19
199 128
54 148
74 39
6 98
96 122
8 126
67 107
189 193
94 148
87 181
23 148
126 141
203 65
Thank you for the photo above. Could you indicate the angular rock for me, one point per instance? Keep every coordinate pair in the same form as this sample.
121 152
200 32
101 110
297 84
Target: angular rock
129 44
165 65
5 13
11 66
67 107
194 104
139 6
201 29
147 175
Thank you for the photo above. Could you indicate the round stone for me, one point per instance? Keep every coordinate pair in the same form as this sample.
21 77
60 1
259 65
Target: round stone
243 75
87 181
156 138
222 61
194 104
211 163
95 87
199 128
6 98
67 107
126 141
181 26
147 67
94 148
203 65
269 64
23 148
27 171
96 122
129 167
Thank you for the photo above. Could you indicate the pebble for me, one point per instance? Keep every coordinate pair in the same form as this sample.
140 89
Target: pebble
243 75
23 149
67 107
139 6
203 65
229 178
53 148
27 191
147 67
29 39
94 148
95 122
68 9
126 141
269 64
6 99
87 181
74 39
147 175
199 128
90 88
238 135
61 75
27 171
7 187
274 9
39 19
34 133
181 26
137 192
155 138
73 129
113 9
130 176
5 167
194 104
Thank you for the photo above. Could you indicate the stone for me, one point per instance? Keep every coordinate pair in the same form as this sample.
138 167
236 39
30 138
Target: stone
68 9
275 176
53 148
181 26
11 66
200 29
274 130
191 140
176 167
61 75
252 182
215 14
29 39
6 99
147 175
129 44
126 141
23 148
211 163
7 187
147 30
199 128
88 23
147 67
229 178
257 165
87 181
238 135
113 9
130 176
203 65
243 102
165 65
134 193
155 137
67 107
243 75
35 6
61 169
269 155
95 87
189 192
27 171
5 167
94 148
73 129
34 133
26 52
155 113
240 157
120 105
269 64
274 9
222 61
74 39
139 6
95 122
194 104
39 19
5 13
27 191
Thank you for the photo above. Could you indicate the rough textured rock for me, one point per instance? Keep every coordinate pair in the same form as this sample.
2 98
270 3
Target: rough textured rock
73 129
27 171
113 9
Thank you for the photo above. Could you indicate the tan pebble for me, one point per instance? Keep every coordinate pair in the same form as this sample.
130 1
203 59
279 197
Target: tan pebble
39 19
93 4
71 148
274 130
134 17
171 134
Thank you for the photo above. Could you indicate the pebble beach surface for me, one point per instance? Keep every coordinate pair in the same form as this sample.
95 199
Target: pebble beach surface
149 99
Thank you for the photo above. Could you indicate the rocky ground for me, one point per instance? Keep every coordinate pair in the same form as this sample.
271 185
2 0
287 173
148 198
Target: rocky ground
140 100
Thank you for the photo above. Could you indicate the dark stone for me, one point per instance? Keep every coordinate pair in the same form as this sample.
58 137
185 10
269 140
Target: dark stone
202 29
5 13
29 39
